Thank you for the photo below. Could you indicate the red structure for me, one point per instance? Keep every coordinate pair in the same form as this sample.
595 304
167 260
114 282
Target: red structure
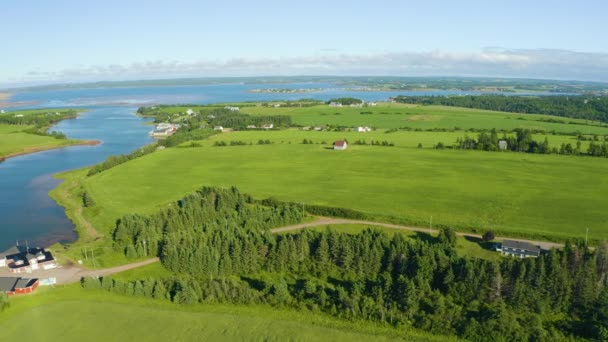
13 285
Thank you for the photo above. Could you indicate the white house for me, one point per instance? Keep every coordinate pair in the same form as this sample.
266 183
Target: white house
268 126
190 111
372 104
340 145
2 261
251 127
277 105
502 145
234 109
363 129
335 104
19 115
218 128
2 111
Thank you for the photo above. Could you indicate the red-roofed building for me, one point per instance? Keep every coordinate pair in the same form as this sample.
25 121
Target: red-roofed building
340 145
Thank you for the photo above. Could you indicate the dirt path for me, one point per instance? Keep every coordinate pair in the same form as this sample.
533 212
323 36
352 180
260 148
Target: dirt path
323 221
73 274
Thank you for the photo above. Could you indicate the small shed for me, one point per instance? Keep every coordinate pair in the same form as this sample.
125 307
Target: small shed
340 145
503 145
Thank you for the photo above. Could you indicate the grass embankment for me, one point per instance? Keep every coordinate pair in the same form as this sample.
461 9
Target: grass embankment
15 139
71 313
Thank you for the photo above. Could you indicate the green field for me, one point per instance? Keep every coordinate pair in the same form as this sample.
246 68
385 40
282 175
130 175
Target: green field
547 196
74 314
395 115
14 141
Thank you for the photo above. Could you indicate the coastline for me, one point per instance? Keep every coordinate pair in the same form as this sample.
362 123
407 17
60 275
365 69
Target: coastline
31 150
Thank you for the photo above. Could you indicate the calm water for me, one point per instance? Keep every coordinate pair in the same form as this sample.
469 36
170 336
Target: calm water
26 211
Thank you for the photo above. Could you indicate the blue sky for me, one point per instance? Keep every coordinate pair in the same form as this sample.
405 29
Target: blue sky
59 41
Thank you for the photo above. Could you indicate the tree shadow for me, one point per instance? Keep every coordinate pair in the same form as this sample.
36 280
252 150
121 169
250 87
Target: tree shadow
487 245
426 237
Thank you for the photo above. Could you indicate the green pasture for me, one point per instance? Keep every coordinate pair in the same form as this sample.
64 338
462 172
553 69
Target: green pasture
399 138
13 140
75 314
543 196
394 115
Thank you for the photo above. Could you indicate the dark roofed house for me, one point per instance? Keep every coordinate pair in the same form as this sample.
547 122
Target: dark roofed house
519 249
14 285
340 145
30 259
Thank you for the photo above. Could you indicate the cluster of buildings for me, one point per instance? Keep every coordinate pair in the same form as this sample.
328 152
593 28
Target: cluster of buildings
164 129
355 105
232 109
25 260
363 129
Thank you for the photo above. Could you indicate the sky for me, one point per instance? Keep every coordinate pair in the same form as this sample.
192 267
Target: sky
80 41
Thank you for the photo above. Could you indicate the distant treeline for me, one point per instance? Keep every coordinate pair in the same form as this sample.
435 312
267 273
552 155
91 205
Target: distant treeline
39 120
113 161
217 243
524 142
580 107
346 101
240 121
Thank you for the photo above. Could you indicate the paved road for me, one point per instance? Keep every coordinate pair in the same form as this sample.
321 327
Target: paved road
73 273
323 221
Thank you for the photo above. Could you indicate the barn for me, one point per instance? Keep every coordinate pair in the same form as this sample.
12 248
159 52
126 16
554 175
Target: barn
340 145
14 285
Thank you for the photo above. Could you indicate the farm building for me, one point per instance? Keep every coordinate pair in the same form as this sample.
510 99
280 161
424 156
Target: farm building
340 145
218 128
519 249
232 109
502 145
14 285
363 129
190 111
268 126
30 259
335 104
251 127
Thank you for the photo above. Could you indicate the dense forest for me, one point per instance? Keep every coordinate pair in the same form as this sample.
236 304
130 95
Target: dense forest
580 107
217 243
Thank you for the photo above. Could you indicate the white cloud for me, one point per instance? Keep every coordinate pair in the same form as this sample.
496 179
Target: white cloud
498 62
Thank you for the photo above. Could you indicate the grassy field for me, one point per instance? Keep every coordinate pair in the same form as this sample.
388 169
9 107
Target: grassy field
73 314
14 141
396 115
544 196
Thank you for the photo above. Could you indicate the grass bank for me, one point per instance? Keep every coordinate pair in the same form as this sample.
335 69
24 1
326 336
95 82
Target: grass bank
72 313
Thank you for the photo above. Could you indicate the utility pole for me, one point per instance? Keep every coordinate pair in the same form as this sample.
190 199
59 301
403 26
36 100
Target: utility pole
86 256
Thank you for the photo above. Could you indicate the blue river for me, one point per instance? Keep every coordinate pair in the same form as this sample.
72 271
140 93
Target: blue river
28 214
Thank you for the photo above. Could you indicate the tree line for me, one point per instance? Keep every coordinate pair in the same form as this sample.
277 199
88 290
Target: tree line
577 106
217 243
240 121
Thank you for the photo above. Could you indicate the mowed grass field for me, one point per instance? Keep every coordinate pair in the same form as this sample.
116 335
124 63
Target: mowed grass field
544 196
13 140
74 314
396 115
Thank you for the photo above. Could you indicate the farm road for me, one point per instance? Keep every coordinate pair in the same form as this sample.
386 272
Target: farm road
322 221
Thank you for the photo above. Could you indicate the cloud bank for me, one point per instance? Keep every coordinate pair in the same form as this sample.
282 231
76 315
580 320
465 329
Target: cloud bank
490 62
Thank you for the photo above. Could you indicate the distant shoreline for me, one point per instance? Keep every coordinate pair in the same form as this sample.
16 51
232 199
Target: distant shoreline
48 148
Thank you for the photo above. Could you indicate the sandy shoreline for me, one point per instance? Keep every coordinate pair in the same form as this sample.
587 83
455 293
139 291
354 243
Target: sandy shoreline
48 148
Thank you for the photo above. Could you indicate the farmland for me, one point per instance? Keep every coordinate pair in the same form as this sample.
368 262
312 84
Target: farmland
513 193
396 115
138 318
18 139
